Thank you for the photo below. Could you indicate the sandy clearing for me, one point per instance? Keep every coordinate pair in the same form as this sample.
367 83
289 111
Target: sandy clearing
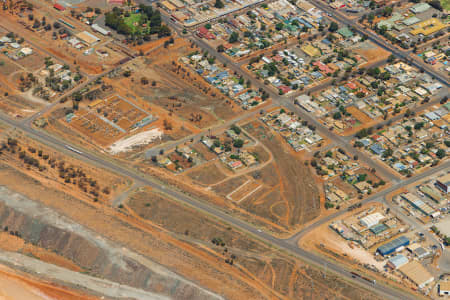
139 139
13 289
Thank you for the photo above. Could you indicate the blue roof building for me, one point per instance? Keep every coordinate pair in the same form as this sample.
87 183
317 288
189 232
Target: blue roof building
393 245
377 149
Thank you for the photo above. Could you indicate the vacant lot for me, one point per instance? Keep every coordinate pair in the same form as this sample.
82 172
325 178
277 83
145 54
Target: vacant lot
293 198
206 174
359 115
179 90
285 276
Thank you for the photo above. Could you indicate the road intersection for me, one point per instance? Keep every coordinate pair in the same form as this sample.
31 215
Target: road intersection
290 244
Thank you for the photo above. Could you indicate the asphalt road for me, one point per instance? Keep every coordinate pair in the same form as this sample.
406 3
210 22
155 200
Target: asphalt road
285 245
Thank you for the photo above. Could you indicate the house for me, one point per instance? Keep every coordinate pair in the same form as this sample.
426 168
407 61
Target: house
363 186
202 32
59 7
26 51
168 6
345 32
235 164
377 149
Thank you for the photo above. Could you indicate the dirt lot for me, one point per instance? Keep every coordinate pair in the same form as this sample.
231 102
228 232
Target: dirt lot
206 174
371 52
359 115
190 254
285 276
179 90
293 192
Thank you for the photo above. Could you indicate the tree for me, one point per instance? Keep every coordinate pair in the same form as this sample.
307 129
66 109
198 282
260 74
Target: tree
337 115
387 11
436 4
236 129
358 144
391 58
234 37
238 143
144 80
329 205
164 31
218 4
440 153
388 152
333 27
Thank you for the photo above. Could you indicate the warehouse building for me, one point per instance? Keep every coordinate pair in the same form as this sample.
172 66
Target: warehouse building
371 220
420 205
415 272
100 29
444 288
443 183
393 245
87 38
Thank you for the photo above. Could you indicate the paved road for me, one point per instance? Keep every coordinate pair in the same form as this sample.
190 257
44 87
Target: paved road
308 257
286 245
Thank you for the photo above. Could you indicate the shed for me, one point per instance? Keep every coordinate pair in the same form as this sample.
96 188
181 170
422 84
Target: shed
397 261
102 30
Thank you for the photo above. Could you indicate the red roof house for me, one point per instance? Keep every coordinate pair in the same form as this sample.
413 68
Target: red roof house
59 7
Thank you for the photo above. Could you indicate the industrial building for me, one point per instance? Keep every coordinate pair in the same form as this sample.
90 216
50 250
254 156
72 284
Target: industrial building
420 205
443 183
444 288
415 272
102 30
371 220
87 38
393 245
397 261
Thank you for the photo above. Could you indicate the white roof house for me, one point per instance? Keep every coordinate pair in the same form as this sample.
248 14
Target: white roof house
26 51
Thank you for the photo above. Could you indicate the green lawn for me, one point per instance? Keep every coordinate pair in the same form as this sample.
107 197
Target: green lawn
133 18
445 4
